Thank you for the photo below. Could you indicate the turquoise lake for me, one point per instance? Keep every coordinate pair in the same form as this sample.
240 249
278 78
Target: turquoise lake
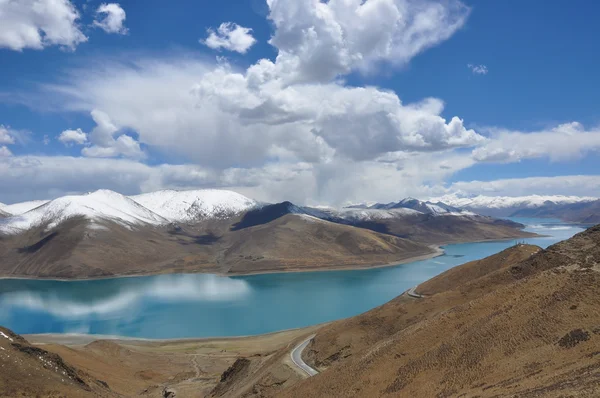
201 305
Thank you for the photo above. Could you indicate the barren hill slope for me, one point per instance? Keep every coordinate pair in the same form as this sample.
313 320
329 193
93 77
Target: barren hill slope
302 242
522 324
30 371
78 249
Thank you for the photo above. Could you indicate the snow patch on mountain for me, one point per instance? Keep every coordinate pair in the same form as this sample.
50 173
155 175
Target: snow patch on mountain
23 207
95 206
374 214
438 208
501 202
186 206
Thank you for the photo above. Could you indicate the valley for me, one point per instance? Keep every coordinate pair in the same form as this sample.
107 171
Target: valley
523 321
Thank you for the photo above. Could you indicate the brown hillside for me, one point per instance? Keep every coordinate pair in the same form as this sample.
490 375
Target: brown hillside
30 371
298 242
527 328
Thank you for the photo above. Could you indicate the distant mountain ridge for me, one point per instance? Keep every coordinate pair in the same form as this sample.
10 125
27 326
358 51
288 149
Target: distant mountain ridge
567 208
104 233
169 206
429 207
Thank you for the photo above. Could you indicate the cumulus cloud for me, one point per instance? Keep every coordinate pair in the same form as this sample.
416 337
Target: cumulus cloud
317 41
230 36
285 123
4 151
563 142
6 136
478 69
290 109
111 18
39 23
70 137
104 145
220 117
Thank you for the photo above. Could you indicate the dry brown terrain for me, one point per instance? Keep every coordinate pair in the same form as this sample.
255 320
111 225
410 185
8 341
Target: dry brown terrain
29 371
438 230
289 242
125 368
522 323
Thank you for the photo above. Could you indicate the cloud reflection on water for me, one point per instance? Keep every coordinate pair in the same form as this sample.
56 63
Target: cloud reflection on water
184 288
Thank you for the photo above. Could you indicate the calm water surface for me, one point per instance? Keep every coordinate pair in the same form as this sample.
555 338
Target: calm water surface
200 305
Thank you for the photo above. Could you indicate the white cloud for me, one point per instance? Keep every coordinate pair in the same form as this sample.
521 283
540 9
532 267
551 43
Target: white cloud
563 142
111 18
6 136
124 145
282 129
569 185
4 151
318 41
29 177
478 69
230 36
219 117
70 137
104 145
39 23
418 175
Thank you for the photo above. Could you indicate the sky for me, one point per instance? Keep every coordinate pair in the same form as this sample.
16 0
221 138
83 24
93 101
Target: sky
317 102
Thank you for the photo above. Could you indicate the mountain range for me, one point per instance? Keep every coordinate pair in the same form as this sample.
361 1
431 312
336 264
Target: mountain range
567 208
104 233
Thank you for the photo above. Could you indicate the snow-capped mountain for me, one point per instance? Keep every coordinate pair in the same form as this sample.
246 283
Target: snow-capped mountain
498 202
439 208
23 207
95 206
155 208
361 214
3 211
187 206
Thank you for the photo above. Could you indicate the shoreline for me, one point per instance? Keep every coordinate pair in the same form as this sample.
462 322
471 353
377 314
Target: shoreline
437 252
84 339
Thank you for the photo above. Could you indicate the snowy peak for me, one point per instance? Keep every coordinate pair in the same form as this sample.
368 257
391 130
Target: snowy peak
23 207
502 202
417 205
94 206
3 212
373 214
188 206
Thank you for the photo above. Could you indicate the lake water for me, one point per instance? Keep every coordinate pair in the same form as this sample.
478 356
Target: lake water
201 305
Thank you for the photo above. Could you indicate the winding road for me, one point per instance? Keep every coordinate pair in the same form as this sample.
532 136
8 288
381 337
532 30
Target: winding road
411 292
296 356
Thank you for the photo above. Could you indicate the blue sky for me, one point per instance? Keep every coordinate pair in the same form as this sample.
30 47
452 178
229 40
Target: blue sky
334 118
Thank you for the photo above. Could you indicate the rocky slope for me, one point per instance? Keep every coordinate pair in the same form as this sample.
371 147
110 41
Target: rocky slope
30 371
524 323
